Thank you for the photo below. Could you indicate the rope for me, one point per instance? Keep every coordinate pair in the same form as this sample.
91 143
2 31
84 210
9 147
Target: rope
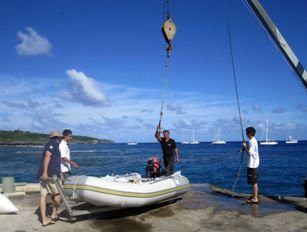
75 184
238 173
168 52
167 9
236 88
164 87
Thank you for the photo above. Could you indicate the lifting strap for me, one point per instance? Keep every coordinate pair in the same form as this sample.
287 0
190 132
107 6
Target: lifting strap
168 31
236 89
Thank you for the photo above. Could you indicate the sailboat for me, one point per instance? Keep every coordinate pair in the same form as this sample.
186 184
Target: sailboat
184 140
193 141
218 138
267 140
291 140
131 143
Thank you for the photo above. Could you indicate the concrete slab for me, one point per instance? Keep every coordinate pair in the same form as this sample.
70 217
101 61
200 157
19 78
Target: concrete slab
202 209
26 187
15 194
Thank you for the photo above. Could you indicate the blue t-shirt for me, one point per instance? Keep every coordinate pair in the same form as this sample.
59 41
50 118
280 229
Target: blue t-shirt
54 167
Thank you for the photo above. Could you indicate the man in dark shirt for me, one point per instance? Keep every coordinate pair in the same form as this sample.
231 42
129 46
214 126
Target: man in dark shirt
168 146
50 165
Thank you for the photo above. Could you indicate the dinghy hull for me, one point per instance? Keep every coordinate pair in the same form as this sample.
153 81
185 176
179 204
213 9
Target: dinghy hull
125 191
6 206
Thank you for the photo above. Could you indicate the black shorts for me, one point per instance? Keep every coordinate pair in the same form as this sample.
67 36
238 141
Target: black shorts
252 175
66 174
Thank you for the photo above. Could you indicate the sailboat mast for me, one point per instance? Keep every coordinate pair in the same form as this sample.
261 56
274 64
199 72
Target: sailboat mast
267 131
193 138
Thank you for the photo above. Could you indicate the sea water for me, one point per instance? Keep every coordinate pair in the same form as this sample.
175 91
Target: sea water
283 167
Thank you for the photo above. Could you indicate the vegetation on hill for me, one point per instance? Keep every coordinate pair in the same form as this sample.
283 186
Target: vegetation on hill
18 137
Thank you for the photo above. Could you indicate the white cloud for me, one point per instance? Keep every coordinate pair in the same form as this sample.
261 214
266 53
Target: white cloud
291 126
189 124
279 110
32 43
173 106
14 104
145 110
27 105
134 111
84 90
257 108
301 106
43 119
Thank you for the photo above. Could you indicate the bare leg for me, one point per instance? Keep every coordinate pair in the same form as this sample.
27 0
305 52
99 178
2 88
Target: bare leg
255 192
56 204
42 206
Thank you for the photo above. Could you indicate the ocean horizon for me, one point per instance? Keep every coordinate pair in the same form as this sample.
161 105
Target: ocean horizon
283 167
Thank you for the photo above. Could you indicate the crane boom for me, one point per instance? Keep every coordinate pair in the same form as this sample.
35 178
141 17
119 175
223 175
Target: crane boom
279 40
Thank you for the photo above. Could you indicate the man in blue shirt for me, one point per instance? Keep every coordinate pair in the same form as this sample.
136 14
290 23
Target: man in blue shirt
50 165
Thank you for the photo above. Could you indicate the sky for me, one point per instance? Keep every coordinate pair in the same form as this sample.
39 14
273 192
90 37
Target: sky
96 67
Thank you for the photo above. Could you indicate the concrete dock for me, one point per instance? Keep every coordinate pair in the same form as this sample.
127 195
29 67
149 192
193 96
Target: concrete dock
204 208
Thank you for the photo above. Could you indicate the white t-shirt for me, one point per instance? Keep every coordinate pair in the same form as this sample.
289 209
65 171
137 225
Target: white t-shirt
254 154
65 153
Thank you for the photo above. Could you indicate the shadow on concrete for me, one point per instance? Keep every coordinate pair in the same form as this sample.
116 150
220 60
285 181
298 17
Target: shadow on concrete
268 205
297 202
49 207
88 211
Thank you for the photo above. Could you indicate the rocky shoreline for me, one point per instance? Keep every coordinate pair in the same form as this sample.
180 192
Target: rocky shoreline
39 144
26 138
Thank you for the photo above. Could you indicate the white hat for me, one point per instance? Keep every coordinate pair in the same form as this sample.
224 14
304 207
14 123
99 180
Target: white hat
55 133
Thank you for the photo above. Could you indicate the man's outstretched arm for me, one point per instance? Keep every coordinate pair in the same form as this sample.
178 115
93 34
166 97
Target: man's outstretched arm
71 162
157 134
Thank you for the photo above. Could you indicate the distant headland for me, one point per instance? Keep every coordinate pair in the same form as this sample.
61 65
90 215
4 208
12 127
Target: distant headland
19 137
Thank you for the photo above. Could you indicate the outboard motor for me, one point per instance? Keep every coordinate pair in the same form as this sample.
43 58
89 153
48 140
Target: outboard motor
153 167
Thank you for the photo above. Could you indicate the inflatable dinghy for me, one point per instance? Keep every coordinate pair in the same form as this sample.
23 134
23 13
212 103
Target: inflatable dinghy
130 190
6 206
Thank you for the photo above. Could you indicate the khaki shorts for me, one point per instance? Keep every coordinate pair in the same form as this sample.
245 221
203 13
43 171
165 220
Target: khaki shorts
49 187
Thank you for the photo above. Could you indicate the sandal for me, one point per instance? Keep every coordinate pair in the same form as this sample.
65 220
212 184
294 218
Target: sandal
48 223
252 201
54 219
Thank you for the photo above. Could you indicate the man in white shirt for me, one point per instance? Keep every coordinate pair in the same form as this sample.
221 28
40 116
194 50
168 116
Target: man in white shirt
253 164
65 154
